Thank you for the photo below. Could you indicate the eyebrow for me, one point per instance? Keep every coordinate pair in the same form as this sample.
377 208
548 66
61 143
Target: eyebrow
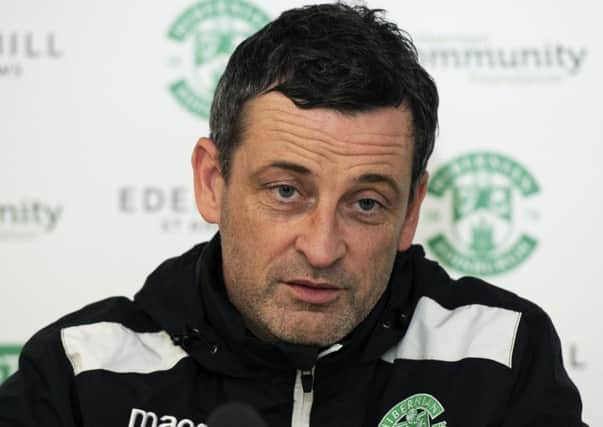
292 167
372 178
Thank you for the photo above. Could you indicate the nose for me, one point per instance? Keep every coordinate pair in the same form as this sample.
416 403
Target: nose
320 238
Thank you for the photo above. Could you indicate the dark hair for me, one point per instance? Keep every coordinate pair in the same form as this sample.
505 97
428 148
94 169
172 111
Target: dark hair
347 58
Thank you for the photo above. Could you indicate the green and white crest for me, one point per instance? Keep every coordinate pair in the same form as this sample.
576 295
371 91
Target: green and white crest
9 361
481 207
208 33
417 410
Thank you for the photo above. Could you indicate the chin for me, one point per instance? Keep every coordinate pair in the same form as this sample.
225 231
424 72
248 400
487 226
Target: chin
314 328
318 338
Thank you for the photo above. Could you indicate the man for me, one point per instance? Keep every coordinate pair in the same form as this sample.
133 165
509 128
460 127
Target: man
311 305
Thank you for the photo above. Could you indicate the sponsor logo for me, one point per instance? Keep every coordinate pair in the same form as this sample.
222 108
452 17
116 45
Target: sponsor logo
172 208
417 410
207 33
141 418
19 48
9 361
481 209
28 218
486 60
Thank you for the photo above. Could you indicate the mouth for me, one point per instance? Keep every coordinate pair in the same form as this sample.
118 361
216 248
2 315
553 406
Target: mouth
319 293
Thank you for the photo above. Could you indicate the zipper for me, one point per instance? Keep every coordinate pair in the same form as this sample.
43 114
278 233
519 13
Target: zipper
307 381
302 399
303 392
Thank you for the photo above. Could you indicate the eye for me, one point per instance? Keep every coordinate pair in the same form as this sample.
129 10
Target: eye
285 191
367 205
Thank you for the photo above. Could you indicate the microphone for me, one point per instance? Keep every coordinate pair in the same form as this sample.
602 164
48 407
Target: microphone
235 414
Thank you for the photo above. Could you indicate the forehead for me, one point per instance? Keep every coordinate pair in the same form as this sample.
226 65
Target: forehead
325 140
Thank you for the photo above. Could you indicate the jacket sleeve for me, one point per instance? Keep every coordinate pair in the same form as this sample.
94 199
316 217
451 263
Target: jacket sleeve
543 394
39 393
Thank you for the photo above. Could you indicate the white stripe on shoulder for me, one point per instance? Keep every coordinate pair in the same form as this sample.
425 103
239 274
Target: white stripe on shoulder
113 347
436 333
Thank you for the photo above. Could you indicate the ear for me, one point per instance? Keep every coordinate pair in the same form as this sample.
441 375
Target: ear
412 214
209 183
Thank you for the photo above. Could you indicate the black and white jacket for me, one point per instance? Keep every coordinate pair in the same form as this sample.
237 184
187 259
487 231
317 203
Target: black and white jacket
434 352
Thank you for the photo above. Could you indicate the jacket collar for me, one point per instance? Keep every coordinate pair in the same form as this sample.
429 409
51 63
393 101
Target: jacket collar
186 297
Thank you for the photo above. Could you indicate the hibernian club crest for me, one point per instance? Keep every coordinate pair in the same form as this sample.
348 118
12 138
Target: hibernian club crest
483 210
418 410
9 360
208 33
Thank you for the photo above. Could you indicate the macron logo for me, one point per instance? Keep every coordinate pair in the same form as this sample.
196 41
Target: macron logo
140 418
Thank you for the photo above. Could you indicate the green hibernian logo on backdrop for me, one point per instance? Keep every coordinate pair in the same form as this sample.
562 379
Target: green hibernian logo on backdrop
416 411
484 212
9 361
208 32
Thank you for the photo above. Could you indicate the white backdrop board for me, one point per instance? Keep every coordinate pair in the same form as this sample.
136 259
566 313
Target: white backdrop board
102 102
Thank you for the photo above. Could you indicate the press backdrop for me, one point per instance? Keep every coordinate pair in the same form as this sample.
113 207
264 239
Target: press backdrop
102 102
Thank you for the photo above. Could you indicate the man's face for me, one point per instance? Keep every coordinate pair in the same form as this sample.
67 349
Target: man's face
313 214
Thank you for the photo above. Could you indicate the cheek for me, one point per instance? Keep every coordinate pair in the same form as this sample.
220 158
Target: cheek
240 214
375 255
253 235
378 241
